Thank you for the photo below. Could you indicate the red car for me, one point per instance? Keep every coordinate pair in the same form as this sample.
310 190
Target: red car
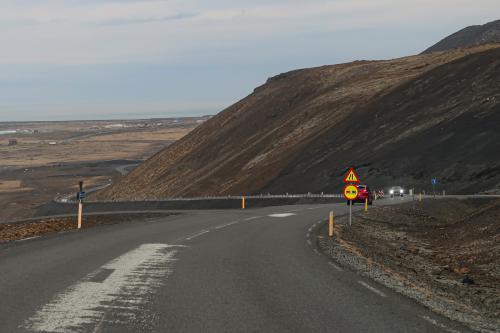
364 192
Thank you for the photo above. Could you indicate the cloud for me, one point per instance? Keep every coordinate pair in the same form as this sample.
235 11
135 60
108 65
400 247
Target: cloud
156 55
146 20
111 31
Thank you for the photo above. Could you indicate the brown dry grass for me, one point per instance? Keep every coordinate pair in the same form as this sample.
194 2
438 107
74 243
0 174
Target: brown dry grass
168 134
11 185
31 152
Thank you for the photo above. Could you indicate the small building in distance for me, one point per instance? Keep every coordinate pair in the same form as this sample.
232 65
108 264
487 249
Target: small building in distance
12 142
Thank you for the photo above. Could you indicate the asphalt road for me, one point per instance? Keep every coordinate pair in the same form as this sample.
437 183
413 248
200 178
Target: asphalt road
203 271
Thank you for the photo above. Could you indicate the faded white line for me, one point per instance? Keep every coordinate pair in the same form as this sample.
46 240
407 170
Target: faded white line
235 222
197 234
29 238
440 325
375 290
135 278
282 215
310 229
225 225
308 235
335 266
252 218
309 242
317 252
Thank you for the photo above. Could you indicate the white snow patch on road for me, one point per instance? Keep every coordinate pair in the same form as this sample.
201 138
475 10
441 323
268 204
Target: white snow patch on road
282 215
135 277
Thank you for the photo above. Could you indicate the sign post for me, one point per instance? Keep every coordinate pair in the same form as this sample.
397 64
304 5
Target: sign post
350 193
351 190
80 196
434 182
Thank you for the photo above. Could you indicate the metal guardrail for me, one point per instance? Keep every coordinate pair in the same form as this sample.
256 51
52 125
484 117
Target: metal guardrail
69 198
65 199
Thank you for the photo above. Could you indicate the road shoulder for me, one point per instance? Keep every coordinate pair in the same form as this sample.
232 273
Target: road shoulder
348 250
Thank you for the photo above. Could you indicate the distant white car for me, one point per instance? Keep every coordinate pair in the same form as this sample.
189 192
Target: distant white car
396 191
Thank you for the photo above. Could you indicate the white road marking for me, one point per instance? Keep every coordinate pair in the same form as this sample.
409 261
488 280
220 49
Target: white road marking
235 222
29 238
309 242
310 229
225 225
308 235
317 252
282 215
440 325
135 277
197 234
252 218
335 266
375 290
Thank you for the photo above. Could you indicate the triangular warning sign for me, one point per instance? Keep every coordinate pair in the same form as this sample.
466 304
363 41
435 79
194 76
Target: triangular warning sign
351 176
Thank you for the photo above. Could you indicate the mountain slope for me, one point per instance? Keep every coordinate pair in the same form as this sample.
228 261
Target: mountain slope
285 135
470 36
444 124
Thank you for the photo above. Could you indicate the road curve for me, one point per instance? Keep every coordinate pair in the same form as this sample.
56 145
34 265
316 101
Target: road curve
203 271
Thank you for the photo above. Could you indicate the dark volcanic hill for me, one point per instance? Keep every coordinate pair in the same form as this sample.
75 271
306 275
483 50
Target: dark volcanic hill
468 37
400 122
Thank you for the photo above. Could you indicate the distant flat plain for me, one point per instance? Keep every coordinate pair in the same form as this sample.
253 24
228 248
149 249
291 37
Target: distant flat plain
51 157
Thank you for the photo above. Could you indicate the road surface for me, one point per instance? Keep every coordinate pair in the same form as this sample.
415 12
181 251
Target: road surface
202 271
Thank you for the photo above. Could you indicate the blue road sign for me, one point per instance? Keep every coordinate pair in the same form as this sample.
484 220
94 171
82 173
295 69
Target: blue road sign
434 181
81 195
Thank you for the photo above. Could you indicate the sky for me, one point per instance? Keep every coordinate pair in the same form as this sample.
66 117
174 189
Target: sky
110 59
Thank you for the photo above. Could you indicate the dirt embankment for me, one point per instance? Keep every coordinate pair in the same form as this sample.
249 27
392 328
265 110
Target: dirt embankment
444 253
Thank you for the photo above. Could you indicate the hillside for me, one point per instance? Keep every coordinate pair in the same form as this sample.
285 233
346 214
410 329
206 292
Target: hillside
398 121
468 37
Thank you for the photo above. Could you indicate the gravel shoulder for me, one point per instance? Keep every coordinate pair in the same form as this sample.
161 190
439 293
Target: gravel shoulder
24 230
442 253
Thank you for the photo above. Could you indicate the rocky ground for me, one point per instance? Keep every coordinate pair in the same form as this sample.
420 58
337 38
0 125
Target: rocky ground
32 228
442 252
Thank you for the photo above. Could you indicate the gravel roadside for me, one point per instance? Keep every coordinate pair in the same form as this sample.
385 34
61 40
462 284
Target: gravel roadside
441 253
35 228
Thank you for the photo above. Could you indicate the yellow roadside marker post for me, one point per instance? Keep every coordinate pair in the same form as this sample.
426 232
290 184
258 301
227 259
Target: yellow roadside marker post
80 210
80 196
331 226
420 197
243 201
366 205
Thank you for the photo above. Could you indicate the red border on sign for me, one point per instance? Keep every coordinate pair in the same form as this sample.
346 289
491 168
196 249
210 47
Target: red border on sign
344 192
347 174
